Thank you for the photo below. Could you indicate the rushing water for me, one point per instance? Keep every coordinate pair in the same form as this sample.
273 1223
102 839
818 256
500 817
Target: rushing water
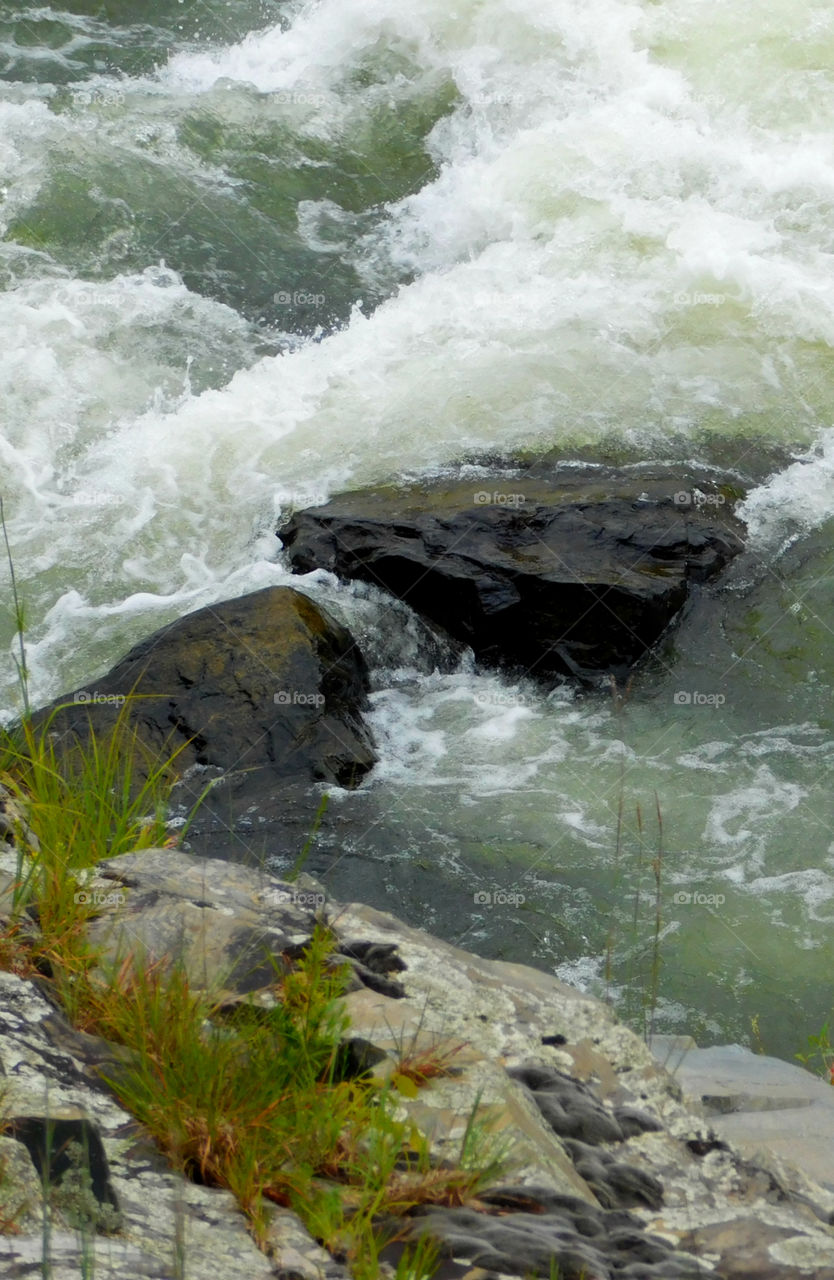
252 252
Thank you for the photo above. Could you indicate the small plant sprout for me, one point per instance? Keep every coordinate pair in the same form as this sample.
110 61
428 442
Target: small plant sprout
820 1055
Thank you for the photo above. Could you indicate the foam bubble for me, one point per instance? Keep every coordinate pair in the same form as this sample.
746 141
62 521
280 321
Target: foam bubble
793 501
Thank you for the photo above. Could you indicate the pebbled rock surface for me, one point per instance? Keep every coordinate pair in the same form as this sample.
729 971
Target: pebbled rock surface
608 1176
14 829
647 1191
267 687
575 571
164 1222
223 923
757 1102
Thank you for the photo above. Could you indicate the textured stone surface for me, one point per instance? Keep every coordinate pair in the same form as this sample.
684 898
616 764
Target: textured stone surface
577 571
164 1218
297 1256
762 1104
609 1175
14 828
234 930
267 686
523 1020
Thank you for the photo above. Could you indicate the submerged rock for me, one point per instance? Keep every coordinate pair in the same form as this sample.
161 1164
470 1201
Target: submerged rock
268 686
578 571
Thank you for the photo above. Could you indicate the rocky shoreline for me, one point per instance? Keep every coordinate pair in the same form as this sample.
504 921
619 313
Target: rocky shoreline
618 1172
612 1175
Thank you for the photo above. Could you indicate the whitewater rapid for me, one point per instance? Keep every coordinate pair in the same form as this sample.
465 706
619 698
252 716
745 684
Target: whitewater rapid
241 271
616 239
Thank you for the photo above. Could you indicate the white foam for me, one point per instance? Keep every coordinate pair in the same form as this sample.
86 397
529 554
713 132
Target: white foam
590 185
811 886
793 501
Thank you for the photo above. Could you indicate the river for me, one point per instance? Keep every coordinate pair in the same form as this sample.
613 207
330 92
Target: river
252 253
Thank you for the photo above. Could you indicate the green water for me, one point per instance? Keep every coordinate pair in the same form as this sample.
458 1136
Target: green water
251 253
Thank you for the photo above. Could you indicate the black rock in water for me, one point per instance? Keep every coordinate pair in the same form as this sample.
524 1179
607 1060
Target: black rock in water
268 687
577 572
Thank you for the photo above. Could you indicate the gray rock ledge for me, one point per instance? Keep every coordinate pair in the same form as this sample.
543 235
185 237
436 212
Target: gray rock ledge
613 1175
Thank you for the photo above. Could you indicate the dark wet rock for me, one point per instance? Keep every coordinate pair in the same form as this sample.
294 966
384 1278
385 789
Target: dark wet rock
537 1077
525 1244
588 1219
375 981
578 571
615 1184
68 1155
668 1269
534 1229
268 687
369 963
377 957
357 1059
515 1244
578 1119
637 1245
569 1106
701 1147
633 1122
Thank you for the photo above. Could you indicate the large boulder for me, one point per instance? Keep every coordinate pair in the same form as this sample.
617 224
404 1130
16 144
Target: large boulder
578 571
268 687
